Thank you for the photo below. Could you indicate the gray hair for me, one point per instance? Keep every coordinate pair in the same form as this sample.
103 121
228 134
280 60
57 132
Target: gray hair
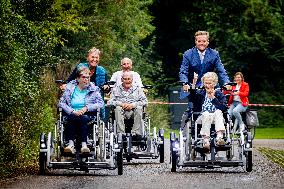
126 58
210 75
127 74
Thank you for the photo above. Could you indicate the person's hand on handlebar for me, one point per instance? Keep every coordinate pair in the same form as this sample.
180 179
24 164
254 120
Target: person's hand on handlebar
62 87
186 87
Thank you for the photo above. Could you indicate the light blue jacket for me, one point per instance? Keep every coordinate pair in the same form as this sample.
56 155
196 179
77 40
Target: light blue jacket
93 98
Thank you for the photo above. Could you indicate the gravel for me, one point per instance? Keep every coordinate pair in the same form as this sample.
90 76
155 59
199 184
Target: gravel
151 174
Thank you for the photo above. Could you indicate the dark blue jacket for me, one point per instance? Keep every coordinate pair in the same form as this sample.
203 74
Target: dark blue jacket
198 97
191 63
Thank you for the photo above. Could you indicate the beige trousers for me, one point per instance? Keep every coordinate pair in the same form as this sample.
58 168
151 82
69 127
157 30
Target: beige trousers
206 119
135 114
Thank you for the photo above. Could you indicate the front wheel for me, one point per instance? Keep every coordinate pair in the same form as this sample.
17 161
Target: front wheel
249 161
174 161
42 163
162 152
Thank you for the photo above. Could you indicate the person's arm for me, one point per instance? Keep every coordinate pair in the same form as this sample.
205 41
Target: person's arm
114 77
63 102
245 92
114 100
219 101
137 79
142 100
95 100
183 73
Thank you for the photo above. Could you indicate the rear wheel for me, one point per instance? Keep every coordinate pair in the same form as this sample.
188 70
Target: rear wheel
162 151
162 146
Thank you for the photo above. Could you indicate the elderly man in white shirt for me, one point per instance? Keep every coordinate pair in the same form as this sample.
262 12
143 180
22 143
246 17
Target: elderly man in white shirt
128 100
126 65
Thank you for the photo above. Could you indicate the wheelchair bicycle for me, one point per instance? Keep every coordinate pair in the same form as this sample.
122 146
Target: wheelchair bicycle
186 149
105 148
149 146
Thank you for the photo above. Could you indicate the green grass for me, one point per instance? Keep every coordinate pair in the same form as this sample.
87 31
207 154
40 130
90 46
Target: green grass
277 156
269 133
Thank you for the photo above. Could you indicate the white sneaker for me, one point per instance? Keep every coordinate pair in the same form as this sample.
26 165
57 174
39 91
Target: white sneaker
85 149
70 149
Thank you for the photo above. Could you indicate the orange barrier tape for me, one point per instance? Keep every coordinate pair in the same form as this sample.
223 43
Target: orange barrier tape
174 103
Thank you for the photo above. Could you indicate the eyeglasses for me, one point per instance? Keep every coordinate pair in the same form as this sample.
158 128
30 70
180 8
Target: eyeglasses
85 77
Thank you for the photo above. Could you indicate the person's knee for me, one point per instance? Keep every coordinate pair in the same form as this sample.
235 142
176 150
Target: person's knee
138 110
235 111
118 109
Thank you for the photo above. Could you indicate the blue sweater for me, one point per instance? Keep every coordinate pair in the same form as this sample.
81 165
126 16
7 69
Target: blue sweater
99 77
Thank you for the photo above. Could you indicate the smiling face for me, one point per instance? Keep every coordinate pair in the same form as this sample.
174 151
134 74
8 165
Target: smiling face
126 64
93 59
238 79
127 79
201 42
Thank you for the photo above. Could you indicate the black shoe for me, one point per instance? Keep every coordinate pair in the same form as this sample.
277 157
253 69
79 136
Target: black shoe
137 137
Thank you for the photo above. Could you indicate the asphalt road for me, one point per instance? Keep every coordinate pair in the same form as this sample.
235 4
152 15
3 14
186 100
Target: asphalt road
151 174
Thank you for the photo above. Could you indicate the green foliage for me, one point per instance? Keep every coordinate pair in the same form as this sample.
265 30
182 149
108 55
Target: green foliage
269 116
39 41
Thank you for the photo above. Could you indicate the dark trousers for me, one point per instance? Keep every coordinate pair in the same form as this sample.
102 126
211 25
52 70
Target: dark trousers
77 124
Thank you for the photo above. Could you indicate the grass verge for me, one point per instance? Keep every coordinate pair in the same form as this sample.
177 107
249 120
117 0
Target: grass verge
269 133
276 156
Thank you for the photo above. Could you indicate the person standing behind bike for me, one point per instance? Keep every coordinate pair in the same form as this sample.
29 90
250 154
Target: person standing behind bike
126 66
98 73
200 60
238 101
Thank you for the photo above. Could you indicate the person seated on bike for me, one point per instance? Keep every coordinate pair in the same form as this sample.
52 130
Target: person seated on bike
126 66
80 97
238 101
128 100
211 103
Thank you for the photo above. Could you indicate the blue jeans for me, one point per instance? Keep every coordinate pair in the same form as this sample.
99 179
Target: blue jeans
77 124
235 110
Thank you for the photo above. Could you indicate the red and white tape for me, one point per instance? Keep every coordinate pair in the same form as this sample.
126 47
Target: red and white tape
174 103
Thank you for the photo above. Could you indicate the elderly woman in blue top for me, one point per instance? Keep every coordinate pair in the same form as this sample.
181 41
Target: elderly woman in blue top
80 96
211 103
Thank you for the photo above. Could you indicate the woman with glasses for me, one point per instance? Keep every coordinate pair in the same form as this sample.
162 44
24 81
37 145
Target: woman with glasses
80 96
